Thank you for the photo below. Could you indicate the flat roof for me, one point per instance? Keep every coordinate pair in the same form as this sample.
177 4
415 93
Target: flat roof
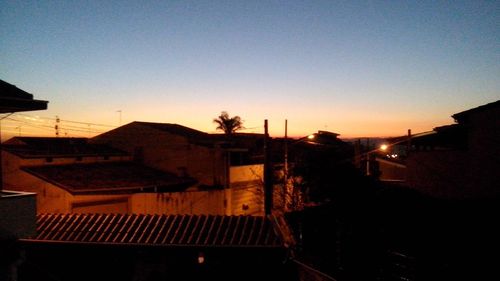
109 177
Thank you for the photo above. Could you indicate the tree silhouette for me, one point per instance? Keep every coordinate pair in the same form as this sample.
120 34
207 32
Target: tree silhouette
228 124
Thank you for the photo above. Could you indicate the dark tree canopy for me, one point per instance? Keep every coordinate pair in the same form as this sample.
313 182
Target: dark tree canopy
228 124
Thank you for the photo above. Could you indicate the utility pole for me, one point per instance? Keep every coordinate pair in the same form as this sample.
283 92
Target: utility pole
120 117
285 169
56 127
285 191
368 156
268 173
408 143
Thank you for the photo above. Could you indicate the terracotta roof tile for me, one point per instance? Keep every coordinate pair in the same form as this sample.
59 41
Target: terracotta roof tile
159 230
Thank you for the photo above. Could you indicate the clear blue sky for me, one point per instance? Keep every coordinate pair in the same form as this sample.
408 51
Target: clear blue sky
354 67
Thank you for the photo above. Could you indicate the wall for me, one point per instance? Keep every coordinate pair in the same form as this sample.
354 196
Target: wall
49 199
390 171
168 152
104 204
248 200
464 174
483 143
247 194
246 173
244 196
17 214
440 173
15 161
13 175
189 202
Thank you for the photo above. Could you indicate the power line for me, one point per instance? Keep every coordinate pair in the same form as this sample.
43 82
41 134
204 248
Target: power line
50 128
69 121
62 126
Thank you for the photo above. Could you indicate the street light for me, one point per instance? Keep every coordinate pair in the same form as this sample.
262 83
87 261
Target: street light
382 147
308 137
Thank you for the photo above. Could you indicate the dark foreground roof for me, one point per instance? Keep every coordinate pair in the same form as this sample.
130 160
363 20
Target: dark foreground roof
109 177
159 230
463 117
41 147
13 99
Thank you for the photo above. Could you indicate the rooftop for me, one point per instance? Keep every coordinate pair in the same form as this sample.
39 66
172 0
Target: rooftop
41 147
159 230
176 129
109 177
13 99
462 117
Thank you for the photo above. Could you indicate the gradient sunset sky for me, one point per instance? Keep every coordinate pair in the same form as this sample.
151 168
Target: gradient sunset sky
358 68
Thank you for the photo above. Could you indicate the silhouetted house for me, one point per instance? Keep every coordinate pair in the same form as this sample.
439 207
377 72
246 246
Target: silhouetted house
216 161
459 160
159 247
73 175
21 152
70 175
321 165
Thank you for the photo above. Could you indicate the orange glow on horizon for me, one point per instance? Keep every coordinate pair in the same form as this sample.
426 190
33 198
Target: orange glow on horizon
36 124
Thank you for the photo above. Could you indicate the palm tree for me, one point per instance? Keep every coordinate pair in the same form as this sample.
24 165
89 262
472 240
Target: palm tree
228 124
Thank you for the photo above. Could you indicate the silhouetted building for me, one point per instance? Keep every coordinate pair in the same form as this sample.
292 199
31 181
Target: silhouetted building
71 175
218 162
460 160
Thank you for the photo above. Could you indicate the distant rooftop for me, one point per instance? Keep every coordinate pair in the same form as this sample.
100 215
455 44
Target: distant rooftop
39 147
159 230
249 141
109 177
175 129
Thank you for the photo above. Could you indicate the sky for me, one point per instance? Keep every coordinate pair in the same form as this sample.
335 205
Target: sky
357 68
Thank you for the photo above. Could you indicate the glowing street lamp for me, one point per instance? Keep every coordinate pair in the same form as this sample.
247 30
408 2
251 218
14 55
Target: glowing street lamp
308 137
383 147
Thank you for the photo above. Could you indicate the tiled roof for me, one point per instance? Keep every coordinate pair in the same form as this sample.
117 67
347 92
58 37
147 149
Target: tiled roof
123 177
36 147
159 230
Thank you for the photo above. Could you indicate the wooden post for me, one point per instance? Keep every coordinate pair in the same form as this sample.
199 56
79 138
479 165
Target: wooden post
285 169
268 173
408 143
